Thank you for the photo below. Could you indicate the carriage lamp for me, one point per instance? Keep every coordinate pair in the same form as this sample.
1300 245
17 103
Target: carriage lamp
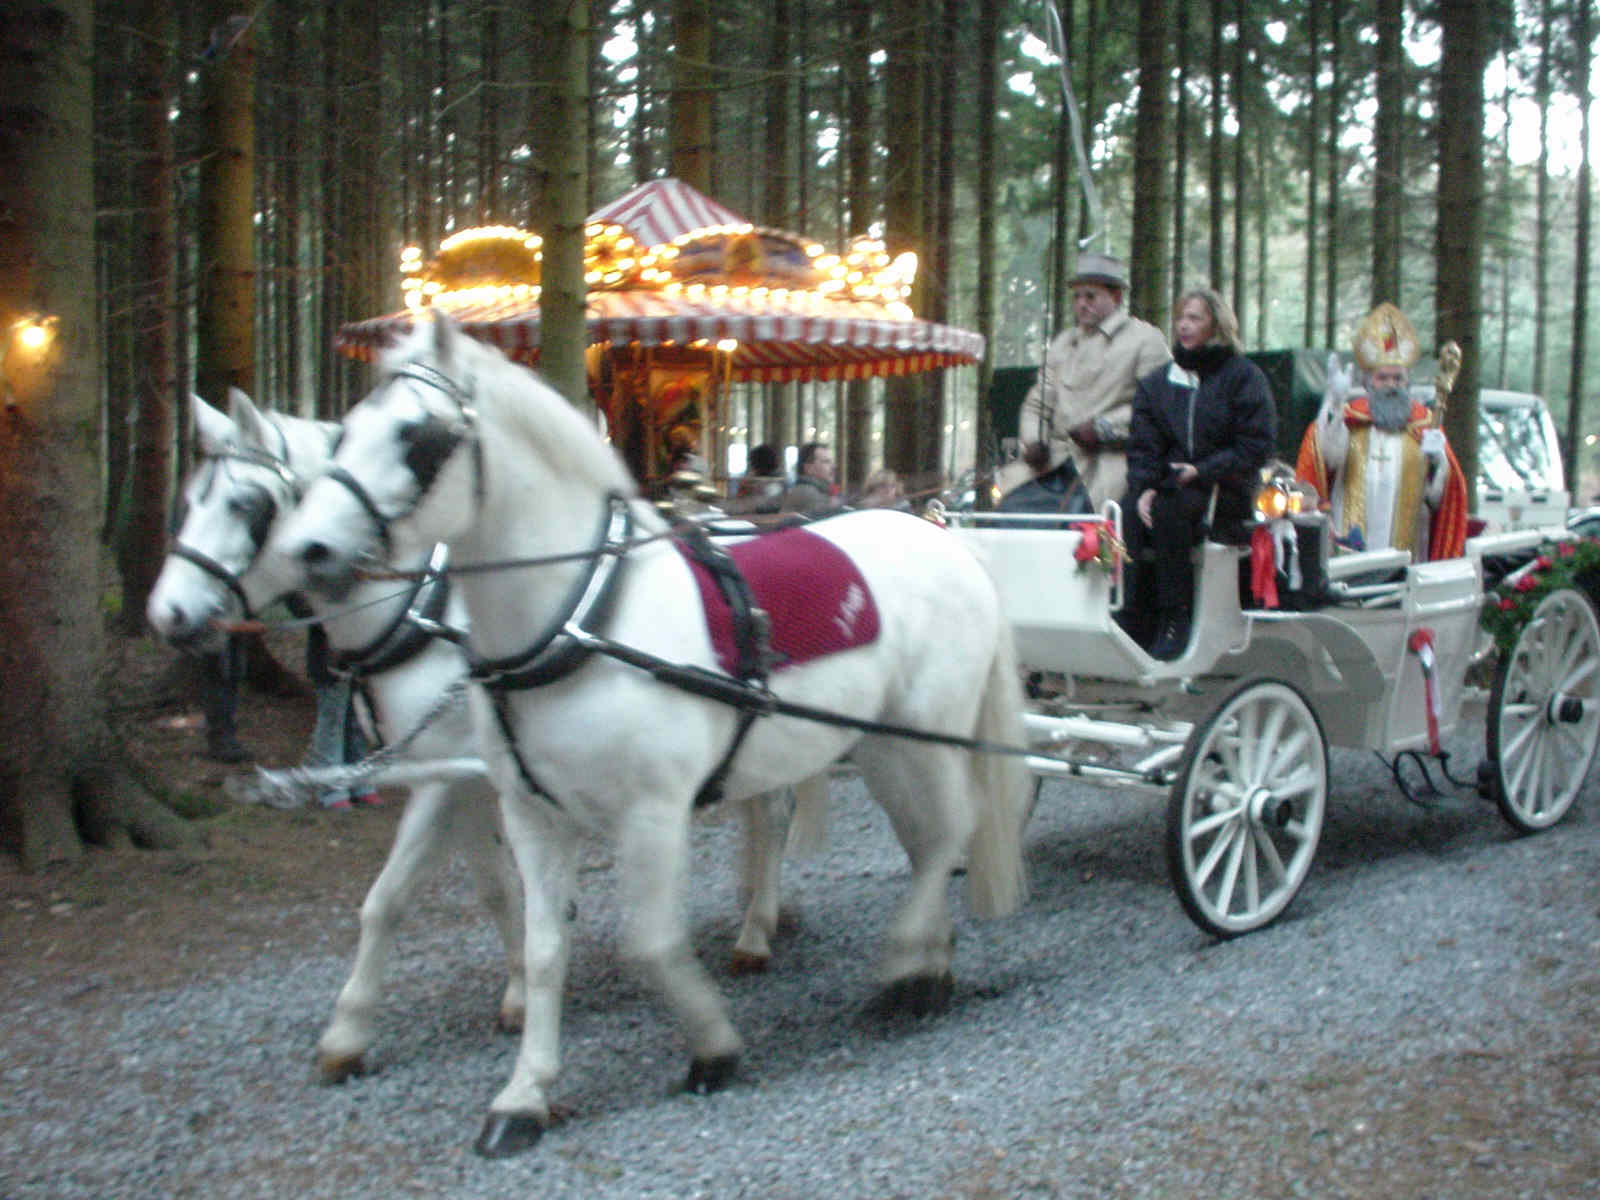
1278 499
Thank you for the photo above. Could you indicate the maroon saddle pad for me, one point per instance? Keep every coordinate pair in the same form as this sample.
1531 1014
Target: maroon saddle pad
816 598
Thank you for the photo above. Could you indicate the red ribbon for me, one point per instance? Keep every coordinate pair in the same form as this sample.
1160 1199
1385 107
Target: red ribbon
1263 567
1421 644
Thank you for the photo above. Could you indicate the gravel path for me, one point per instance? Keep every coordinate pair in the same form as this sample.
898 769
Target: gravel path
1422 1023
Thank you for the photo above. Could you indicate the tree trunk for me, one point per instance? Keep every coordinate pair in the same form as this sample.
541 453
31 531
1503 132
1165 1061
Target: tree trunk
858 147
1330 306
1180 163
558 136
59 772
1583 35
1458 296
143 535
1152 138
1313 144
1388 168
1241 199
225 318
986 436
691 93
1214 196
1541 217
903 217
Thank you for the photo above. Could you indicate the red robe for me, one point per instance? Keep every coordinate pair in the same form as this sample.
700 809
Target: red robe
1447 527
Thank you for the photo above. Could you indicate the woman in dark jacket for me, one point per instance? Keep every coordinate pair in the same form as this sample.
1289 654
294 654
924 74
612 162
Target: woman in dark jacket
1206 420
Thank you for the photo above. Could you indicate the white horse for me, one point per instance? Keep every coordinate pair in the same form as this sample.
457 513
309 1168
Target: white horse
253 467
250 474
458 445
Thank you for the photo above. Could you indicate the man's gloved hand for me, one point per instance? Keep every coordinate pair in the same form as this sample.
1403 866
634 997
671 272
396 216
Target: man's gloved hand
1433 447
1085 435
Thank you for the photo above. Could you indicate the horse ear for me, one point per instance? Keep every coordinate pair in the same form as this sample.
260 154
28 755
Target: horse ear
214 431
246 417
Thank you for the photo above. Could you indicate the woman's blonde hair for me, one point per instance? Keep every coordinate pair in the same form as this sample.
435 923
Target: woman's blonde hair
1224 324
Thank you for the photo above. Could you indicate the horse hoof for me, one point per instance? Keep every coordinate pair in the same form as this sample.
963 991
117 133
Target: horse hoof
707 1075
744 963
338 1068
917 996
509 1020
505 1134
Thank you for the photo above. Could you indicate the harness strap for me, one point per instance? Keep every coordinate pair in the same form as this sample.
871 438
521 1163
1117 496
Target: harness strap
761 702
752 637
216 570
409 633
553 655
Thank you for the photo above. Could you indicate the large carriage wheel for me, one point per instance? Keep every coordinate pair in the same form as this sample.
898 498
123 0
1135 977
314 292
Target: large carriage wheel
1246 810
1544 712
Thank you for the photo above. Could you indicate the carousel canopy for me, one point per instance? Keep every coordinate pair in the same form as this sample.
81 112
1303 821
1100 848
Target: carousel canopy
669 267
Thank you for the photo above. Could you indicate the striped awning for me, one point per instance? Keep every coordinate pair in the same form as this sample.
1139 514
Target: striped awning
664 209
797 337
783 333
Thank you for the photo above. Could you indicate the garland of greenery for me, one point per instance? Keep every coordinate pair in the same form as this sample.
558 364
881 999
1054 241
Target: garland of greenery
1510 606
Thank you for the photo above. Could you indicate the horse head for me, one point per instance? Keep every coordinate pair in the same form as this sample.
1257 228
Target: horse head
413 466
247 475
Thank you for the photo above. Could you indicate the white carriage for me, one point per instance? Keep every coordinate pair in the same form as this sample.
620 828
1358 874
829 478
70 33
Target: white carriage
1236 730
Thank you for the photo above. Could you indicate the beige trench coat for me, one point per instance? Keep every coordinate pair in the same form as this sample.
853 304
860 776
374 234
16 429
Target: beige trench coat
1090 375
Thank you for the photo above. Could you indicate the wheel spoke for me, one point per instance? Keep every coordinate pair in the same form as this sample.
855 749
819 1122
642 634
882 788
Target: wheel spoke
1582 670
1269 852
1205 825
1230 876
1304 781
1219 846
1266 742
1287 755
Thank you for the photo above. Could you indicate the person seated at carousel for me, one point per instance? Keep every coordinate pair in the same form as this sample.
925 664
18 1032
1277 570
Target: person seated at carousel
884 490
1205 423
813 492
1387 476
761 488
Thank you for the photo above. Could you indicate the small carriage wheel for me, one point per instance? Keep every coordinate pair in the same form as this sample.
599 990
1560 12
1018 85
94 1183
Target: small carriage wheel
1544 712
1246 810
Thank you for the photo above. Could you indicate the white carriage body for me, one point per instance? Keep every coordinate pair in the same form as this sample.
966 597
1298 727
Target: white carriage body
1352 659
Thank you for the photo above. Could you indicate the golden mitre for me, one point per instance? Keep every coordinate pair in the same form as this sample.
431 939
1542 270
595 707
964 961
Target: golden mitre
1385 338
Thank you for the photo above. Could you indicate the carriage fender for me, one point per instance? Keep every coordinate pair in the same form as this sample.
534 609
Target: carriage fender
1346 663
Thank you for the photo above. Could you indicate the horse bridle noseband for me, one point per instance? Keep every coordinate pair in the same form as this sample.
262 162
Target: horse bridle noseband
279 466
425 457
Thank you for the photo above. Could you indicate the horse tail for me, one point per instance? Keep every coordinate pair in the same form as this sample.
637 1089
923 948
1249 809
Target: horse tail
997 880
808 823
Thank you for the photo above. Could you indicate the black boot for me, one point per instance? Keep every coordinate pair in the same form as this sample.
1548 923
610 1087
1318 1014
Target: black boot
1173 638
221 699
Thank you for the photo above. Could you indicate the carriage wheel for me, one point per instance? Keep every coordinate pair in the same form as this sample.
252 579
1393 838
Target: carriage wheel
1544 712
1246 810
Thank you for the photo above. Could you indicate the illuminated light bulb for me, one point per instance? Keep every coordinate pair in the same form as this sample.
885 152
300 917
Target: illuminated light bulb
728 345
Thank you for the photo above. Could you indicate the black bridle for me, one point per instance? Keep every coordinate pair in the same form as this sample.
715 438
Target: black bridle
260 523
429 445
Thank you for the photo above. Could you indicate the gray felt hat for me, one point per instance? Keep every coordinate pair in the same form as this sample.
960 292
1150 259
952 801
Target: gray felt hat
1102 269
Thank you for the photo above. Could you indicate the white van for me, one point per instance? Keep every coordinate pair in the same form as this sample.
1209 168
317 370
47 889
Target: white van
1521 484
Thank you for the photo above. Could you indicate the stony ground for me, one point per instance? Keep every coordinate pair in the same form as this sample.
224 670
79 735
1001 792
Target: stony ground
1426 1021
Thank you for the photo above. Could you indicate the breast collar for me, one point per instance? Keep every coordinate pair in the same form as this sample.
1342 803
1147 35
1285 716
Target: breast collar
417 624
555 653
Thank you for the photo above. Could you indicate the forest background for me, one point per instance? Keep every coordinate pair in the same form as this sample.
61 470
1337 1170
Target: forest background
199 193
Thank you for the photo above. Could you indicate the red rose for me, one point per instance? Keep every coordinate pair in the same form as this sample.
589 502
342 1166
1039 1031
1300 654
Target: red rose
1089 544
1527 583
1507 603
1566 550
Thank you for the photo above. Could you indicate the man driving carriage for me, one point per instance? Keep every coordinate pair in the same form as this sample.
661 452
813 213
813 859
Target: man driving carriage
1377 460
1081 406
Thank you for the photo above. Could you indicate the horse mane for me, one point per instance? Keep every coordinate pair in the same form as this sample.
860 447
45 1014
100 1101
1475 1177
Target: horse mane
518 400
